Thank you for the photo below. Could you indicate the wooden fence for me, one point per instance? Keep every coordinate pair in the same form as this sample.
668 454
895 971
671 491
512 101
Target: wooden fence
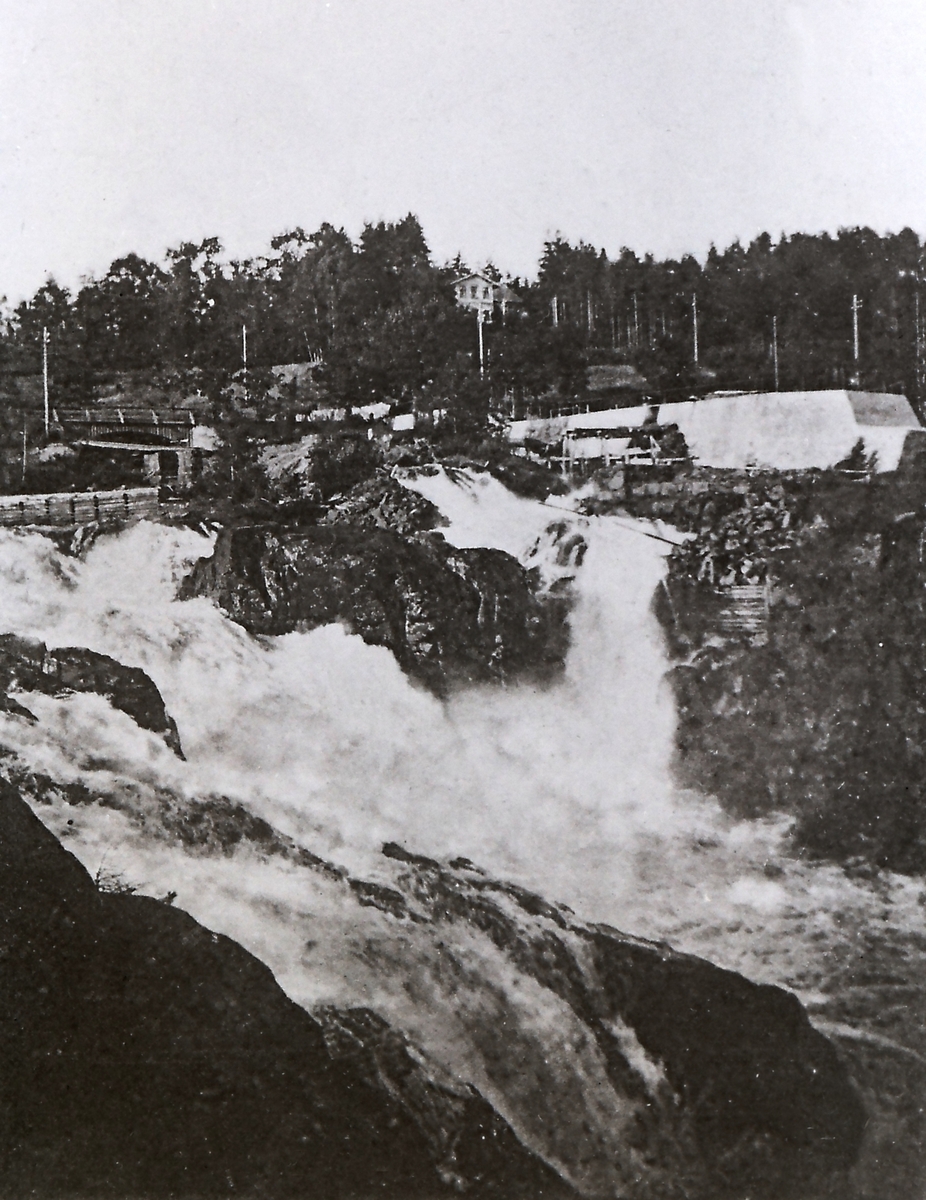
79 508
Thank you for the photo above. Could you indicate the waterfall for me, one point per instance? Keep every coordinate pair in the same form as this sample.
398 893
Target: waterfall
564 788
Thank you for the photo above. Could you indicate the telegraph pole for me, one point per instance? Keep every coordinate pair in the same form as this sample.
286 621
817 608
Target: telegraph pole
775 348
45 372
480 317
855 308
694 313
244 357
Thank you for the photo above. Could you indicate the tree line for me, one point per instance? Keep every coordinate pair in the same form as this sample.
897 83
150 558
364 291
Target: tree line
807 311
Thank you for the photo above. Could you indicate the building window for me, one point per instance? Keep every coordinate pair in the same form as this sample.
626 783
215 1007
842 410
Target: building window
472 292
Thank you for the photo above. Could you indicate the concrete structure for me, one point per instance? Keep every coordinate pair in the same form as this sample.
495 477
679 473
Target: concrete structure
176 465
780 430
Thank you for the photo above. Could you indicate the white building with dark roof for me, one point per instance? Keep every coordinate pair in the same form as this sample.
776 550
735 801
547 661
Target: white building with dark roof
481 293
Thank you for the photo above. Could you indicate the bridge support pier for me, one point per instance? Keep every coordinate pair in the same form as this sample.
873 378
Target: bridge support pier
184 470
152 468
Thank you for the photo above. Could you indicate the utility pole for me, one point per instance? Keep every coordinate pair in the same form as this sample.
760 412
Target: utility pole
775 348
855 308
244 358
588 302
694 312
555 307
636 321
45 373
480 317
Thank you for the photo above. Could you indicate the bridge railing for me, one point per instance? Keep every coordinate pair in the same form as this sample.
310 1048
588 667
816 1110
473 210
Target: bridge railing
160 427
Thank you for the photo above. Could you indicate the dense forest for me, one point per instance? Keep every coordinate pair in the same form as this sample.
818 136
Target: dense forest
806 311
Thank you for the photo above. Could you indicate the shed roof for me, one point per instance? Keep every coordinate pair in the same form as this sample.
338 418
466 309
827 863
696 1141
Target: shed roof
883 408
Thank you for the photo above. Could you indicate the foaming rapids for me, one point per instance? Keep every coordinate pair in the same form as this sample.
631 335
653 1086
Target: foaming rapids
564 788
556 787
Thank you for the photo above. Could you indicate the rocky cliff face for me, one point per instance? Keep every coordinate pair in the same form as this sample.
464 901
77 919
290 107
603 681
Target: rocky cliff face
145 1056
821 716
449 616
627 1068
381 502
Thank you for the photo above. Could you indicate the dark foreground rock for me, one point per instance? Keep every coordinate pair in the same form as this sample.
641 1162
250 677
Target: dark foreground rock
449 616
145 1056
29 666
632 1070
736 1093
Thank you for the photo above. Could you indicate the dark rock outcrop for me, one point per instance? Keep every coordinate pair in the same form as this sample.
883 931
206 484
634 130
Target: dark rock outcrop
449 616
719 1087
821 716
468 1141
753 1100
29 666
384 503
145 1056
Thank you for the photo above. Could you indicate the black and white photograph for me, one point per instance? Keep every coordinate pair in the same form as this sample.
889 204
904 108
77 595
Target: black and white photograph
462 600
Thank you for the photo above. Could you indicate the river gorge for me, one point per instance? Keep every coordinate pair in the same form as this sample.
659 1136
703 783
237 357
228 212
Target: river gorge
435 864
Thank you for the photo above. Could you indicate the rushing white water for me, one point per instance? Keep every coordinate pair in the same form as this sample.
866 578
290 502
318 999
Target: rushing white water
324 735
566 789
326 738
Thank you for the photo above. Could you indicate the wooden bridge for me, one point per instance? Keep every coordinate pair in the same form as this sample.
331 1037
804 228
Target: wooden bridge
136 426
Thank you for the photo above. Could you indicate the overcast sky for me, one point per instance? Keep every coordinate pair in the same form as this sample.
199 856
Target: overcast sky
663 125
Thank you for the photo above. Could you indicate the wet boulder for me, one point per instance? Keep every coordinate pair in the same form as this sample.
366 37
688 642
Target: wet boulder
27 665
449 616
727 1088
146 1056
